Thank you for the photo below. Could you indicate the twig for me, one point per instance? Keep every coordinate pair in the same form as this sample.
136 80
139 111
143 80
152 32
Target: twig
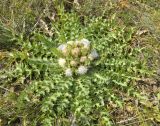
127 120
8 90
5 89
35 25
129 124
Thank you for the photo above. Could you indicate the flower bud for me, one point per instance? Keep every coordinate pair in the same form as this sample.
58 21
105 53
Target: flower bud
61 62
75 52
64 52
73 63
83 59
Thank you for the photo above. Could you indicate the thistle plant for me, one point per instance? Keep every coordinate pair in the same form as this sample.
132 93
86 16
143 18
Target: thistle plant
45 97
76 57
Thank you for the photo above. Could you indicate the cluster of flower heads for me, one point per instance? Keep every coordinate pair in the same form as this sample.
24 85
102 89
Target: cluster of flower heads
76 57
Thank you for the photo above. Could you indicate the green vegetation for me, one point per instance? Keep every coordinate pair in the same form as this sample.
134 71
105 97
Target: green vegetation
120 87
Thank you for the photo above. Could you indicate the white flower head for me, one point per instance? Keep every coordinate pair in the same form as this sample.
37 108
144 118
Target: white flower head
61 62
62 47
68 72
86 43
93 55
82 70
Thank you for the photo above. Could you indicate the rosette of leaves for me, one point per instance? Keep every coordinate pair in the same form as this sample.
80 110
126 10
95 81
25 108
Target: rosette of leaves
76 57
43 96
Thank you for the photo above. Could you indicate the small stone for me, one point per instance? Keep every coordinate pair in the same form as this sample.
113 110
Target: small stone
129 109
